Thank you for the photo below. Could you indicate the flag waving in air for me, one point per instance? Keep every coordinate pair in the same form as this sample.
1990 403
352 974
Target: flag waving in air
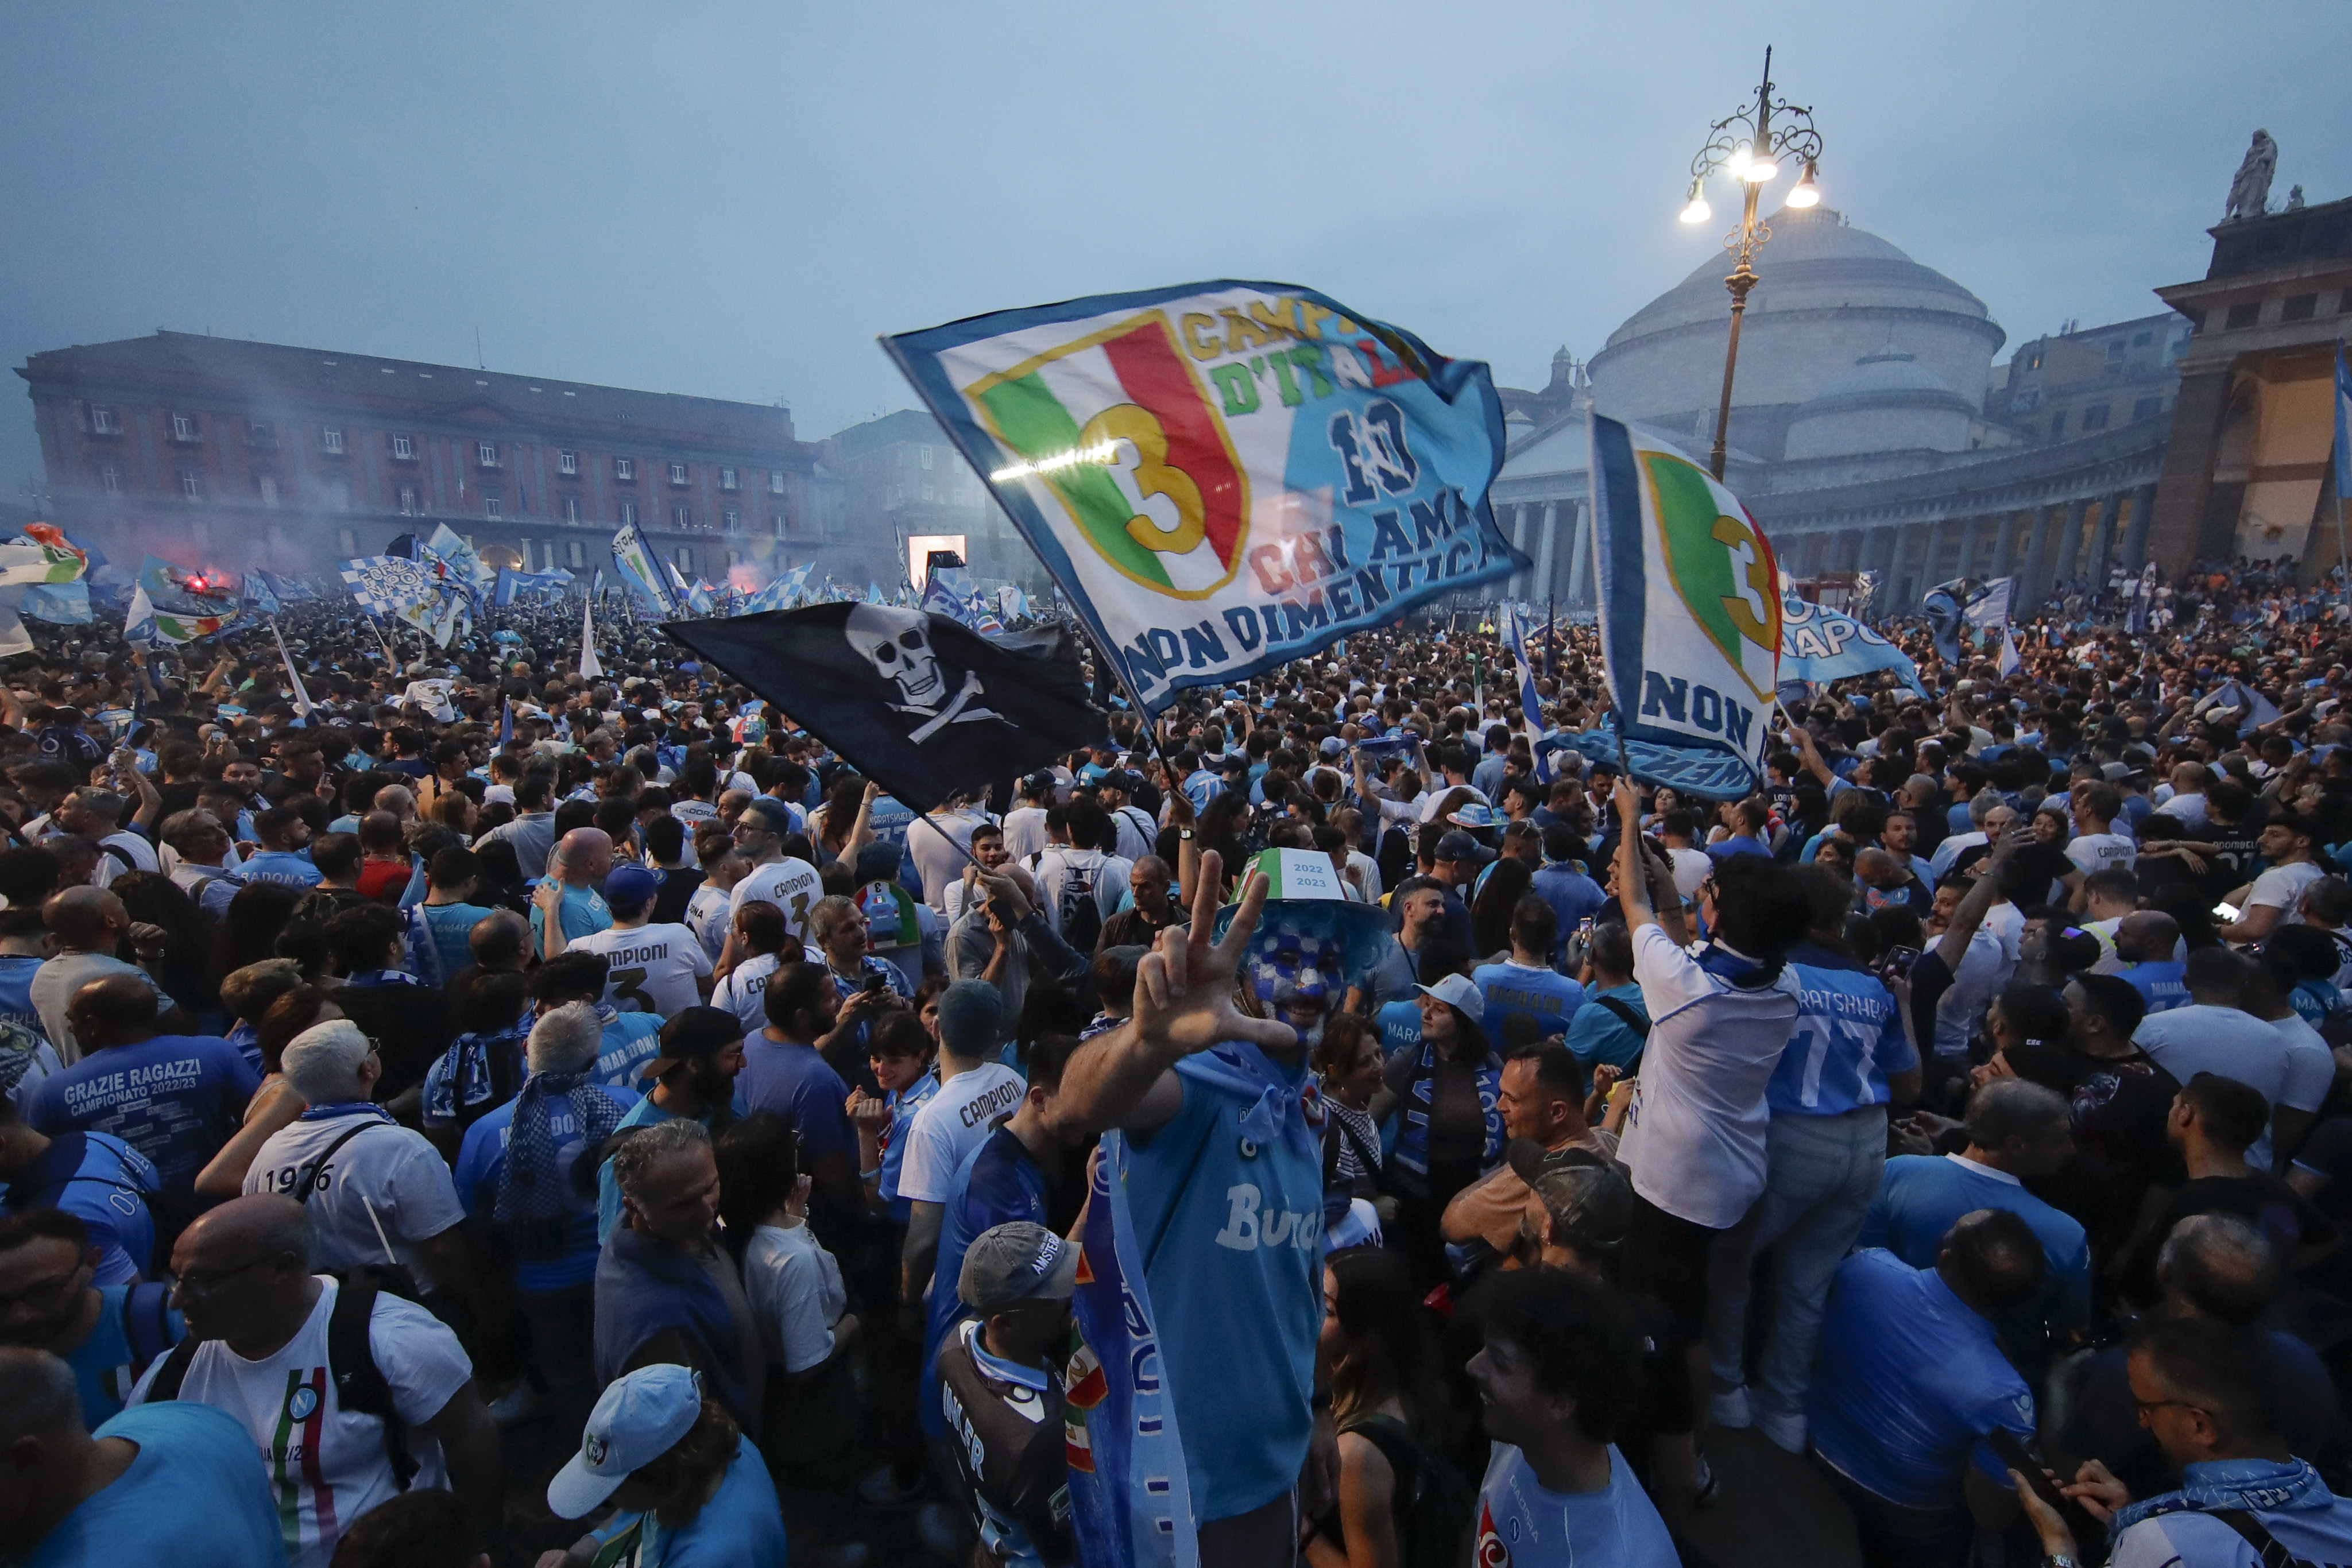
1223 477
145 623
1690 611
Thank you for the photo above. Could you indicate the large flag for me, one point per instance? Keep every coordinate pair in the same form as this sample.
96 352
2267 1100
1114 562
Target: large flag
14 637
1130 1495
145 623
1821 645
1953 609
447 546
301 697
1690 607
388 584
641 571
60 604
924 706
30 559
2343 426
258 595
1223 477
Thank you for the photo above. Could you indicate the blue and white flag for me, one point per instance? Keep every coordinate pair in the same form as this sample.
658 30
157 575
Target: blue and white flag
260 597
58 603
641 572
1223 477
1689 770
1958 609
301 697
388 584
1821 645
447 546
2343 426
1690 611
1130 1495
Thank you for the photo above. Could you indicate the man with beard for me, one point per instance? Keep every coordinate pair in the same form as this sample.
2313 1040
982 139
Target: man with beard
50 1300
694 1076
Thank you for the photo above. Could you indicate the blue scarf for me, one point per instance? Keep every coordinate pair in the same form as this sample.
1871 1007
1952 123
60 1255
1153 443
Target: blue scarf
467 1078
1412 1137
2258 1486
1283 1106
531 1191
365 978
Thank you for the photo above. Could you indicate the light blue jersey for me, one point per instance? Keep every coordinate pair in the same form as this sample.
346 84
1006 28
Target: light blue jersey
1847 1038
903 1105
1511 990
291 867
584 914
631 1040
2161 982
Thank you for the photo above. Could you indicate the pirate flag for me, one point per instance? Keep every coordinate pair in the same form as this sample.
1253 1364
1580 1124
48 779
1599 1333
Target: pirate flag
924 706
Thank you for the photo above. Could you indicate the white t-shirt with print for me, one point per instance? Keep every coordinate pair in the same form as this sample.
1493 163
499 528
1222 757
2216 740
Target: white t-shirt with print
654 968
386 1175
327 1468
1065 876
707 914
794 1287
952 1124
2282 888
792 885
744 991
2102 852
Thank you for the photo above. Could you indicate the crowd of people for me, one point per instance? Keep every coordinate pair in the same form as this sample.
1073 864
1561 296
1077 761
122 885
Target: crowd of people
494 1115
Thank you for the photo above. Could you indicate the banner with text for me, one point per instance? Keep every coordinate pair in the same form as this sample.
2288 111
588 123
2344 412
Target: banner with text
1690 601
1821 645
1223 477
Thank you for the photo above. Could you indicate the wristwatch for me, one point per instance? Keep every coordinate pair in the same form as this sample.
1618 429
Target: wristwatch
1185 834
2057 1560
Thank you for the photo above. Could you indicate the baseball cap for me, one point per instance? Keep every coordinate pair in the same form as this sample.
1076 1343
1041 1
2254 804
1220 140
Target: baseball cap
1016 1262
1333 746
630 888
767 812
1461 992
1038 781
1591 1206
1458 845
692 1033
640 1417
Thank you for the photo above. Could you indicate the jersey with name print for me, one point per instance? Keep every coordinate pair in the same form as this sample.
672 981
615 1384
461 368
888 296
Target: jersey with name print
654 968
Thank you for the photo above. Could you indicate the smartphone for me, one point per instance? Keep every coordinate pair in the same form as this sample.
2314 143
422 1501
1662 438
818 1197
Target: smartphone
1584 929
2227 912
1897 962
2013 1453
875 985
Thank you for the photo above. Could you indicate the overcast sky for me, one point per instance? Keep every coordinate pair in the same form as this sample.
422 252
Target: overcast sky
734 199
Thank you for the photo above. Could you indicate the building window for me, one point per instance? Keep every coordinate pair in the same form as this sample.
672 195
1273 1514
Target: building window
624 468
680 516
776 476
192 484
732 520
403 449
628 514
2116 350
2245 315
2344 304
727 479
110 478
572 549
408 500
2141 340
2299 307
2057 424
486 453
493 507
260 433
686 559
567 462
677 472
570 509
183 427
330 440
347 541
102 421
338 495
267 485
2148 408
2096 418
928 453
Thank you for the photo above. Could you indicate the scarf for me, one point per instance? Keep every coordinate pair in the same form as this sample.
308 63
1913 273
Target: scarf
468 1073
1282 1107
2258 1486
531 1191
1735 968
365 978
1412 1151
424 958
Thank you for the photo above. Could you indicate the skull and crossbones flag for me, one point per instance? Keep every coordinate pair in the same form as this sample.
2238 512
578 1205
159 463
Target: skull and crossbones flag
924 706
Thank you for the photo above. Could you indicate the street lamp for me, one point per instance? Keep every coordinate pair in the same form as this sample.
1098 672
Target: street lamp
1750 148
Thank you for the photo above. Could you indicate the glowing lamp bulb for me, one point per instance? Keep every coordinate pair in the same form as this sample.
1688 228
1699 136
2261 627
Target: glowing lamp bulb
1807 193
1759 169
1698 211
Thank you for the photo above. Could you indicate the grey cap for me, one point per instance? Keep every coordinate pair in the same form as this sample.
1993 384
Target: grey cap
1015 1263
1591 1206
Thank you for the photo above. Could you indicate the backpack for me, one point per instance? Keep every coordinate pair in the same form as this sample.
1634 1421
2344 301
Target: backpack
359 1385
1082 921
147 1322
1433 1505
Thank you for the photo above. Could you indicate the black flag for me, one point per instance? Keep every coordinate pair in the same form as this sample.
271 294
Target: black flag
924 706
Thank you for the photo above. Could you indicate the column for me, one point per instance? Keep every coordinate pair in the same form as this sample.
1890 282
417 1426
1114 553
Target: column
2142 512
2102 541
2034 583
2070 543
2004 544
1937 534
1969 528
1543 553
1580 547
1520 584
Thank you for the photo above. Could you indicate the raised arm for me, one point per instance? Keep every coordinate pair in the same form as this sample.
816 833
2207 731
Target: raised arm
1183 1004
1982 894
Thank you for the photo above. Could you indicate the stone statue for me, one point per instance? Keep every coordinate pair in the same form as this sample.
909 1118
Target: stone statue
2295 198
2250 191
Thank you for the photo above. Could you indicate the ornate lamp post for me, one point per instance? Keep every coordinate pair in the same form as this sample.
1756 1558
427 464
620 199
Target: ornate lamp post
1750 147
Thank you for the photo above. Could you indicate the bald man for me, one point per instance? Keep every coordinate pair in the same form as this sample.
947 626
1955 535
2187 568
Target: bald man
583 858
259 1324
2147 943
89 925
164 1483
175 1098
